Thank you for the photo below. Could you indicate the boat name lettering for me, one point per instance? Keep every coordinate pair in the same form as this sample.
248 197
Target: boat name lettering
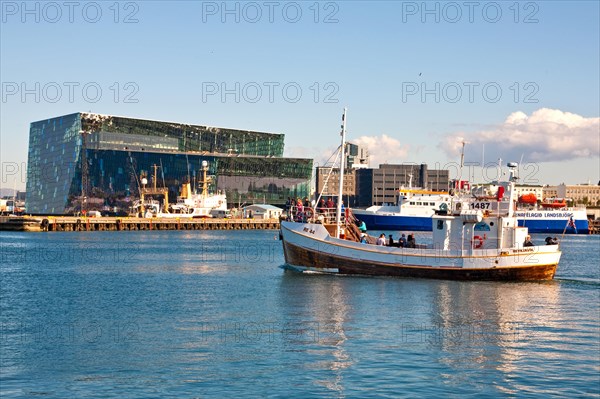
480 205
545 214
307 230
518 251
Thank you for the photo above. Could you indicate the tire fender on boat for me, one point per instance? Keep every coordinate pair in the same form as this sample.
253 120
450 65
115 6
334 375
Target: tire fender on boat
477 242
309 212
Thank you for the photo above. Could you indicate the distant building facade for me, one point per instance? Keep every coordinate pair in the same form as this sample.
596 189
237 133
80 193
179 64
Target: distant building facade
356 156
248 166
525 189
585 194
367 186
328 181
380 186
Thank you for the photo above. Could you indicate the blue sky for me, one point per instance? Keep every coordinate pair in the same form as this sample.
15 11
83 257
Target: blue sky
520 79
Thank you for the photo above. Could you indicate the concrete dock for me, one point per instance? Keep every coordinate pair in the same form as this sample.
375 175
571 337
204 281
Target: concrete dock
71 223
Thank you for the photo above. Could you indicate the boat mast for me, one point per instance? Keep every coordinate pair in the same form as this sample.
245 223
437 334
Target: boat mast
341 186
462 163
204 179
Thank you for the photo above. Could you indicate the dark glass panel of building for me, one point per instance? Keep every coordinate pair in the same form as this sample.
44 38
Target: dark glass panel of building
192 137
53 158
246 165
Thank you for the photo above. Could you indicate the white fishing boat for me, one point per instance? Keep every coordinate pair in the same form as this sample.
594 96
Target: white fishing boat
190 203
467 244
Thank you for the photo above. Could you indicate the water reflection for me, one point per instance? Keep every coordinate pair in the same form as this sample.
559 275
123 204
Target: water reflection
473 328
324 301
489 327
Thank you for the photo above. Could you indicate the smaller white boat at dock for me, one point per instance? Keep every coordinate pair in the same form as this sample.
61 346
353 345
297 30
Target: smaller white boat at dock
190 204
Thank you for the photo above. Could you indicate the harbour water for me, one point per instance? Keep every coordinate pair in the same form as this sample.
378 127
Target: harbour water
188 314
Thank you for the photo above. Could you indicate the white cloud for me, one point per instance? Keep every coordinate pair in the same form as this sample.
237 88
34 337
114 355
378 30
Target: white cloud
546 135
382 149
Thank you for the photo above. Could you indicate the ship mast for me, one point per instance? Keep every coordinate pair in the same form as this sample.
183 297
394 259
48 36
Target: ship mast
341 185
204 179
462 161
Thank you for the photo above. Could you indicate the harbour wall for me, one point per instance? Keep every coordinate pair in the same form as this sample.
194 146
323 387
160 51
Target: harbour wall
70 223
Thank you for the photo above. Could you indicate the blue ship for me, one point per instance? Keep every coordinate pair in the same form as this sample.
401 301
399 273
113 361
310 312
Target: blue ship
416 207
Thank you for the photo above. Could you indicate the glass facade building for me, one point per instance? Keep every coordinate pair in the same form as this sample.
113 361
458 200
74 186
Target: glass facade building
248 166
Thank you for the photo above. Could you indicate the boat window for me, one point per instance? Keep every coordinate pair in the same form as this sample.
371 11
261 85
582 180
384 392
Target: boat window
440 225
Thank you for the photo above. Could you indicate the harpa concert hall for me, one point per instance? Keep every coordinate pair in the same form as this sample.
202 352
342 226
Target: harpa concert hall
109 155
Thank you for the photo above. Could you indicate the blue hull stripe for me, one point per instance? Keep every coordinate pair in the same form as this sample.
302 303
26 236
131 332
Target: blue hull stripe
415 223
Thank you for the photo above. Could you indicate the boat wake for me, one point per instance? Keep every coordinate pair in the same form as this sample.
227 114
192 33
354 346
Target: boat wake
580 281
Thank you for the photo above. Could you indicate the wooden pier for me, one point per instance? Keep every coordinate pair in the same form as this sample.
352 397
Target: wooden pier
70 223
594 226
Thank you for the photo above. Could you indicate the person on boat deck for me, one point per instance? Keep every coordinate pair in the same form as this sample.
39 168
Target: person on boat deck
551 241
363 238
381 240
321 208
299 210
329 204
391 242
528 242
402 241
288 204
410 242
362 226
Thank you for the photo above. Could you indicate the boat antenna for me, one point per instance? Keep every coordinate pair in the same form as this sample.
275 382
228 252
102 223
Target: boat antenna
187 160
482 157
462 158
162 172
499 169
520 163
341 186
135 174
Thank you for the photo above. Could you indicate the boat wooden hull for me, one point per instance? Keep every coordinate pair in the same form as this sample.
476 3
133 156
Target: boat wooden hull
325 263
310 249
